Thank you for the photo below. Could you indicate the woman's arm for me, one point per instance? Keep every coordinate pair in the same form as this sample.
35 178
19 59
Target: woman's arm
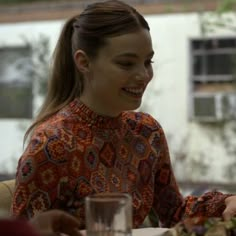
171 207
41 173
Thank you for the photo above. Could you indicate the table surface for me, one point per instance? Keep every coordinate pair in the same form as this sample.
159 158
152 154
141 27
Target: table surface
148 231
142 232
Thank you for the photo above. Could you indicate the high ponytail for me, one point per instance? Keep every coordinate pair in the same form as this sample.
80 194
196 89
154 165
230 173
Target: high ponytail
66 82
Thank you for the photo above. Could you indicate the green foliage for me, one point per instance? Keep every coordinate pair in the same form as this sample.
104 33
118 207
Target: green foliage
226 6
217 19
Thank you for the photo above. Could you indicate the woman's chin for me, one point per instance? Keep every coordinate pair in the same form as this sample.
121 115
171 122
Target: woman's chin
133 106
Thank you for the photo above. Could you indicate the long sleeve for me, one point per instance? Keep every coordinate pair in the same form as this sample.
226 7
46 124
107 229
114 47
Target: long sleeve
41 176
169 205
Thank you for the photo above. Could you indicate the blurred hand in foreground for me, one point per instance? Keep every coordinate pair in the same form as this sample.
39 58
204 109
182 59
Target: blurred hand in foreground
56 222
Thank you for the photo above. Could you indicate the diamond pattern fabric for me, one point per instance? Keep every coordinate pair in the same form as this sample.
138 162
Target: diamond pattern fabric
77 152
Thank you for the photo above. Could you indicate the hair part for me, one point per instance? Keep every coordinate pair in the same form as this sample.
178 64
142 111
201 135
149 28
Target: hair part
88 32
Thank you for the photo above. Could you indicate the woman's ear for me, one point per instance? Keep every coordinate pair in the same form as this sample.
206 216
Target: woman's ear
81 61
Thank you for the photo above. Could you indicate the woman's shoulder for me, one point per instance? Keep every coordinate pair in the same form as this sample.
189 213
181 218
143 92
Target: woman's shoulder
54 131
142 118
54 126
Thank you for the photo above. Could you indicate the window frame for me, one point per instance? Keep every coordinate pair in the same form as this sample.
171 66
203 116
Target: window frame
14 84
207 79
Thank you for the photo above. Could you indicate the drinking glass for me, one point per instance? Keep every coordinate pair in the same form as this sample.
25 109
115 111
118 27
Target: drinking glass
108 214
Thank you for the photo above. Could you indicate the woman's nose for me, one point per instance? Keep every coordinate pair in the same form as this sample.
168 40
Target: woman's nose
142 74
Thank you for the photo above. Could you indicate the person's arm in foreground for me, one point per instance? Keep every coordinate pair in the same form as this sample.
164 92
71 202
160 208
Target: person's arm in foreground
53 222
171 207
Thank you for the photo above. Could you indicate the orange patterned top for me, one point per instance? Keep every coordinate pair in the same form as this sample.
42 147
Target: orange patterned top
77 152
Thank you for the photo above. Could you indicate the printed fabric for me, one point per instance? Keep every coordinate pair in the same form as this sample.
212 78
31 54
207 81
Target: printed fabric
76 153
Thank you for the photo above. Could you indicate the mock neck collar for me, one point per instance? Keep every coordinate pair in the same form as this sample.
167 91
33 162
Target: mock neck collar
91 118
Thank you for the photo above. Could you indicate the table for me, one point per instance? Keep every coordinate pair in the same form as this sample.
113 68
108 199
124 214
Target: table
148 231
142 232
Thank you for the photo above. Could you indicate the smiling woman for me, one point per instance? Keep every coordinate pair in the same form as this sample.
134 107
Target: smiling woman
87 139
119 75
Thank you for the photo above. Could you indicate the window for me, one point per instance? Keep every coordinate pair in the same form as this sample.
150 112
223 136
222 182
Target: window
213 79
16 83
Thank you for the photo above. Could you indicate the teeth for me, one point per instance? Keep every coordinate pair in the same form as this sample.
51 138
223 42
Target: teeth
134 90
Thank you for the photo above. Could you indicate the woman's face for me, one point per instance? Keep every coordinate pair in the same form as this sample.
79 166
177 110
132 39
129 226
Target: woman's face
118 76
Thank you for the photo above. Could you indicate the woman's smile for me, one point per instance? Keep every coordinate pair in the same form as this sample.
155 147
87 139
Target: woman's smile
133 92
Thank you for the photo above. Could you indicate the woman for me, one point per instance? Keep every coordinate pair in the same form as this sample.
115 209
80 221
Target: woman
87 139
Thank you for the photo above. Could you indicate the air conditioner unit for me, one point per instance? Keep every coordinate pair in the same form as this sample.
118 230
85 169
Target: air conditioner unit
214 107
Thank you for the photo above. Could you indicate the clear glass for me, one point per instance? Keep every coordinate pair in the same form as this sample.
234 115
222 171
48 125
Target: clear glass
108 214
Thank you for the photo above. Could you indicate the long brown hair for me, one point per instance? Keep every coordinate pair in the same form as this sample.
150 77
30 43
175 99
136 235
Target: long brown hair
88 32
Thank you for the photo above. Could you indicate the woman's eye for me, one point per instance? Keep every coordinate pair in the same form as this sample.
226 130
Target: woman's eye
126 64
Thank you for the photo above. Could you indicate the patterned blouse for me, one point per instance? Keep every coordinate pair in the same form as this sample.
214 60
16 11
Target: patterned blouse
76 153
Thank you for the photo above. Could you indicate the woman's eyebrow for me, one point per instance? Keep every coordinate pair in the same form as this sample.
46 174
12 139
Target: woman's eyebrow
133 55
127 54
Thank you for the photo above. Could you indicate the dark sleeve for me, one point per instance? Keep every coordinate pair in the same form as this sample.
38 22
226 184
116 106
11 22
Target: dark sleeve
9 227
169 205
168 201
41 176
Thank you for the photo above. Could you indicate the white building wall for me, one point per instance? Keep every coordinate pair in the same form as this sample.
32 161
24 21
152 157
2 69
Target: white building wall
166 97
12 130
